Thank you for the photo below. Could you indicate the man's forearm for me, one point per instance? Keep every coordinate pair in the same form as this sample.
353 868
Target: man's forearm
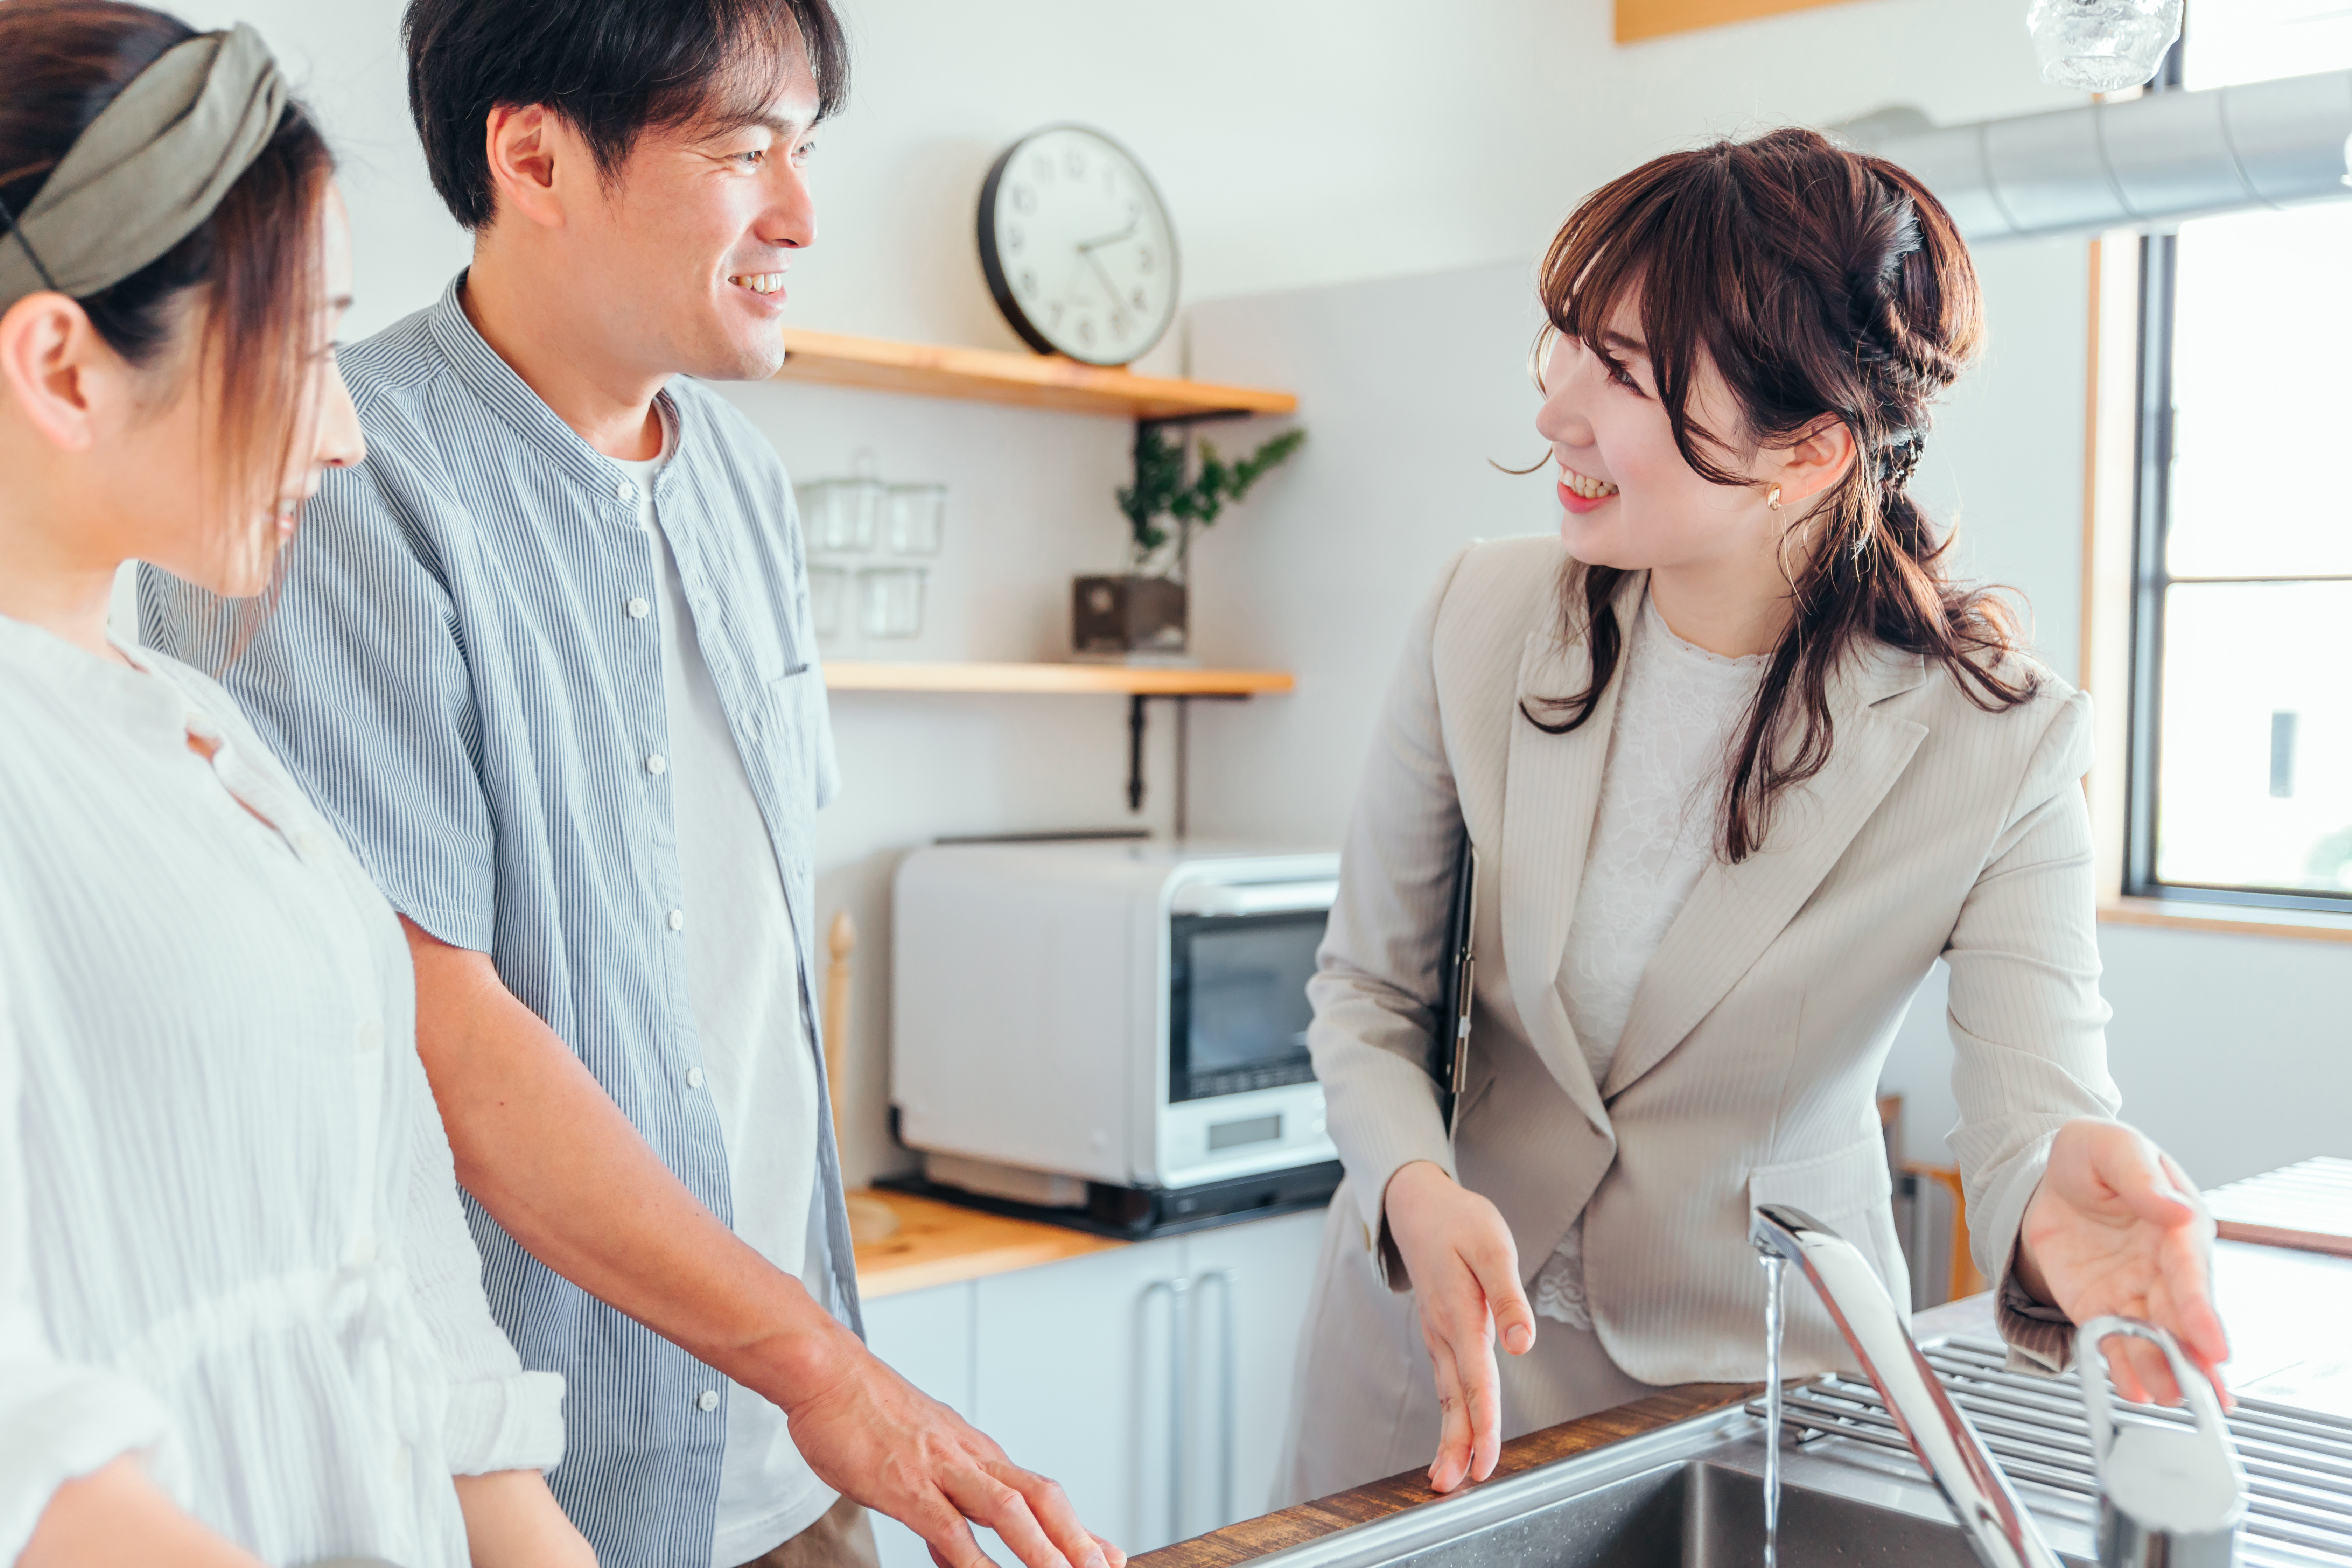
543 1147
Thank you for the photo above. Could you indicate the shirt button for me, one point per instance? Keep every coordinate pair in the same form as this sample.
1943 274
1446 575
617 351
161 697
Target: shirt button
639 609
371 1035
707 1400
624 490
657 765
694 1077
677 919
363 1249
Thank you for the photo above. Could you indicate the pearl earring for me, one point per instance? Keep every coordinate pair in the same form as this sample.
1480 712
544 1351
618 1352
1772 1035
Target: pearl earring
1773 500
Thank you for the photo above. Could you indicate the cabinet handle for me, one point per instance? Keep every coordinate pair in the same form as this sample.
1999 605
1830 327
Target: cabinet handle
1227 1389
1180 1321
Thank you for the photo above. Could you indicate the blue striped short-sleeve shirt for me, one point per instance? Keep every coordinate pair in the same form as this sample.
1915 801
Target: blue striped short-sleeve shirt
464 672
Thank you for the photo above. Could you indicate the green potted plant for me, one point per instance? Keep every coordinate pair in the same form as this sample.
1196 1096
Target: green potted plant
1143 609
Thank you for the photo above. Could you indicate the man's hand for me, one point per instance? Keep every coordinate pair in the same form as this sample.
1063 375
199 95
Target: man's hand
542 1146
2116 1228
1465 1282
870 1434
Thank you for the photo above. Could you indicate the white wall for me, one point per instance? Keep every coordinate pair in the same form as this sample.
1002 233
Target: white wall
1392 169
1304 142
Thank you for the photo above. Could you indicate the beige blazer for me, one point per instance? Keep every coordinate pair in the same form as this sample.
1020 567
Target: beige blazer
1750 1064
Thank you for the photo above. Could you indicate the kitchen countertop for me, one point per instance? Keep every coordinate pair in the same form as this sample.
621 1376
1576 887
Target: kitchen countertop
940 1244
2286 1312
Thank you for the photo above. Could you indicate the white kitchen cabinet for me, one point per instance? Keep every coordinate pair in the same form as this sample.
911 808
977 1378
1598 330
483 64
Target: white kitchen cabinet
1240 1410
1077 1368
927 1336
1072 1375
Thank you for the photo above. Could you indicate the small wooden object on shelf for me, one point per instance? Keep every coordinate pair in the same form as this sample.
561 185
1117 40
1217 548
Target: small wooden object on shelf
1051 680
1025 380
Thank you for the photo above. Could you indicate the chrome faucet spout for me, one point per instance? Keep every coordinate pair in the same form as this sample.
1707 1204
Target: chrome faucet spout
1990 1515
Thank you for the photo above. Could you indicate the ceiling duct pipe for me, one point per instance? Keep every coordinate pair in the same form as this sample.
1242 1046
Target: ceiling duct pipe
2158 159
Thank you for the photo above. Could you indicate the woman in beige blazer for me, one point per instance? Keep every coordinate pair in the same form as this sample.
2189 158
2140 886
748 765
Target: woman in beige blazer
1740 765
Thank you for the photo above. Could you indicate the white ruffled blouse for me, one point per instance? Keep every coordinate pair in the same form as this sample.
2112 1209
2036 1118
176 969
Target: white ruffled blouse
230 1236
1660 797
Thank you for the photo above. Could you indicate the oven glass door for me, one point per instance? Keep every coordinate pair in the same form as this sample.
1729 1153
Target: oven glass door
1237 1011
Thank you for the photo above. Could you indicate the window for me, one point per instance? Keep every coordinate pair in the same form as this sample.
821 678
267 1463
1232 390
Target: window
2240 765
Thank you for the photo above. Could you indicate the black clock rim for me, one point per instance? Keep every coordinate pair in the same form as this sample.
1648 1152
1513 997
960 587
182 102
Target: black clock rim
1000 287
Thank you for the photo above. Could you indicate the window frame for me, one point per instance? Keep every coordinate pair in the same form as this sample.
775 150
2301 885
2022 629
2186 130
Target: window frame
2151 516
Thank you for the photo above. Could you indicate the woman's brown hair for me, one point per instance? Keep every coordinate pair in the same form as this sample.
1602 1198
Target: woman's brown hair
250 270
1815 281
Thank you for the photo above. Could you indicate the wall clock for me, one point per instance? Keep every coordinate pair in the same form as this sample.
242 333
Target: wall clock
1078 246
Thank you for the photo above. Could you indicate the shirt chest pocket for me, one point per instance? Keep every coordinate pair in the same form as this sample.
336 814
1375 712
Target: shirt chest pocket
743 595
791 709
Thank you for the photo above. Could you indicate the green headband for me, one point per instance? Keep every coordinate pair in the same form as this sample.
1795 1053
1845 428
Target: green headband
151 166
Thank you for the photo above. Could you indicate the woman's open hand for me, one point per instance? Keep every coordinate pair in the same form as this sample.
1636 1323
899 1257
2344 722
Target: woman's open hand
1465 1282
2116 1227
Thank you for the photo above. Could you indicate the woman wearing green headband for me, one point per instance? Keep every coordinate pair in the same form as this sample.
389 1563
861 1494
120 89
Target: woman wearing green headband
241 1316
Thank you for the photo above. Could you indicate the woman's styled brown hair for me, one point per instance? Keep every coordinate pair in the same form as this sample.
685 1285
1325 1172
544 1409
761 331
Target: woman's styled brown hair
1815 281
250 271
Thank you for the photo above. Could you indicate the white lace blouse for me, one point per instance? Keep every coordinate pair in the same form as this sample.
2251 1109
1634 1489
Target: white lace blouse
229 1227
1660 797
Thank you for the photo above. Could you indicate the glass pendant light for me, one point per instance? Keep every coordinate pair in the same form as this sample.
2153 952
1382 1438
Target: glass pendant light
2105 46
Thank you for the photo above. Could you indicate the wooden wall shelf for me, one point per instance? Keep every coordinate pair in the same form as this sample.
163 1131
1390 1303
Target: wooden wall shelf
1027 379
1639 19
1045 679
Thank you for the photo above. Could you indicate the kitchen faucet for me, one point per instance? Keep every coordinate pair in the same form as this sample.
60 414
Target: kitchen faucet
1995 1522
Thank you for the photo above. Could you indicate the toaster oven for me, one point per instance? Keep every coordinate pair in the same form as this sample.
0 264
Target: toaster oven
1130 1014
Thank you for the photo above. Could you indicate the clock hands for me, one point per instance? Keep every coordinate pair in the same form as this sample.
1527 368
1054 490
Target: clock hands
1087 248
1110 289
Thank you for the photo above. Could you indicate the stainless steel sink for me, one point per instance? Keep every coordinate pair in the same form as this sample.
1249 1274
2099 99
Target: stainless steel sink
1691 1496
1701 1513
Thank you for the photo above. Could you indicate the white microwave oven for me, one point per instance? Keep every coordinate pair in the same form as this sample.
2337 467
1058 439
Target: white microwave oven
1128 1014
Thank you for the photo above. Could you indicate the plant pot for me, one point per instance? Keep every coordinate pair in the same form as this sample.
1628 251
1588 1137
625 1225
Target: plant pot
1126 614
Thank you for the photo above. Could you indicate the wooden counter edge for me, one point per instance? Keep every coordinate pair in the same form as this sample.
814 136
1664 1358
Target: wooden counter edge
1289 1527
944 1244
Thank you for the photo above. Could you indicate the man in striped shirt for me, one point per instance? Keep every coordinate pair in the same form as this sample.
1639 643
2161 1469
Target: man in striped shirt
545 660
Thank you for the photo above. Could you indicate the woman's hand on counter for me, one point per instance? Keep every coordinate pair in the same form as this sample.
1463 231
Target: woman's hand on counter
870 1434
2116 1227
1465 1268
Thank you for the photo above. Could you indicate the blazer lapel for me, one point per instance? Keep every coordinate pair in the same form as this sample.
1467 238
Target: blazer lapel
1737 911
1551 788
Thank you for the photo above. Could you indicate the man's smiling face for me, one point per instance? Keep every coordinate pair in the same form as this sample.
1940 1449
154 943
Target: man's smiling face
699 224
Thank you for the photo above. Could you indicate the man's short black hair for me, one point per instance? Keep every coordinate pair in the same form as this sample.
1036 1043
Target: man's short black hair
613 68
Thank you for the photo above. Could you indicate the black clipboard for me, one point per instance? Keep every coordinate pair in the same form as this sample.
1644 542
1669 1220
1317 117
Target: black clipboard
1449 1057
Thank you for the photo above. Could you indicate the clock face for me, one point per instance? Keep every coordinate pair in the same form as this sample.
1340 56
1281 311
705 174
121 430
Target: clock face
1078 247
